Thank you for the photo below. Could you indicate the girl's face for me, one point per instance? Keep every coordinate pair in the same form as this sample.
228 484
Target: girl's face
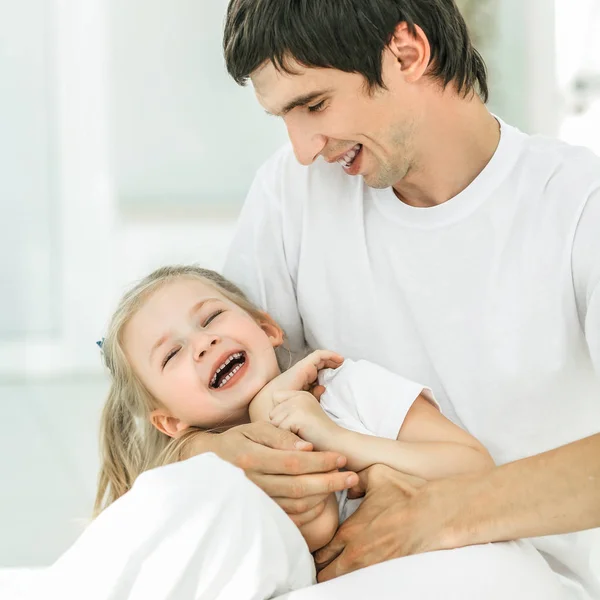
200 355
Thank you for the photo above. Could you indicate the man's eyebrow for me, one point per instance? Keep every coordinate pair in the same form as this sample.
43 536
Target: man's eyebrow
193 310
299 101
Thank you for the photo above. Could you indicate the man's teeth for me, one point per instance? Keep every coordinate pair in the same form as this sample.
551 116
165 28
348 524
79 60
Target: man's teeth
349 157
235 356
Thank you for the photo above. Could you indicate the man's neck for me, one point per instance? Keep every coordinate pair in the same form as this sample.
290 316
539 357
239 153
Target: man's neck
458 145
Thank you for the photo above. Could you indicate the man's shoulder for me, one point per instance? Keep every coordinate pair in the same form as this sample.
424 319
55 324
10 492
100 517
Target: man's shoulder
564 160
557 178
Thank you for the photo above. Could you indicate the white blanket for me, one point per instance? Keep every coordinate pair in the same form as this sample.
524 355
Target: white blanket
201 530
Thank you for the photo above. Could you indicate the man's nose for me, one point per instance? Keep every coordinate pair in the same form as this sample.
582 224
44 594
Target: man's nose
203 342
307 144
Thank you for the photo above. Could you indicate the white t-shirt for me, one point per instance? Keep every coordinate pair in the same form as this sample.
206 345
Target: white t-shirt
492 298
368 399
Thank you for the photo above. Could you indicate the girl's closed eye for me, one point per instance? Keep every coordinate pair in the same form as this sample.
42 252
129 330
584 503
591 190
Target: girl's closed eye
169 356
212 317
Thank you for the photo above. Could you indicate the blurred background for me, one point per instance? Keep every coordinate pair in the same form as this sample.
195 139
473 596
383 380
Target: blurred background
124 146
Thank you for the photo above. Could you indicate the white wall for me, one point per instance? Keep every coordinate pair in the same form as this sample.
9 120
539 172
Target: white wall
29 296
520 53
185 134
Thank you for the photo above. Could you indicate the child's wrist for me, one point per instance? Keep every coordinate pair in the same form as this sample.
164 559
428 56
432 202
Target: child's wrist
333 439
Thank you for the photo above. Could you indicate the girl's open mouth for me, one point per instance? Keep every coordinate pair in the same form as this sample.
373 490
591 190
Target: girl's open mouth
230 371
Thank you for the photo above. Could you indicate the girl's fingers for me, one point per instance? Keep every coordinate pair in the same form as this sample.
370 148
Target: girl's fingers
279 397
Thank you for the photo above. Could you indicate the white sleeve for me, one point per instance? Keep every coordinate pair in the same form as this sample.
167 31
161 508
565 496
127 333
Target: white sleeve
367 398
586 275
260 260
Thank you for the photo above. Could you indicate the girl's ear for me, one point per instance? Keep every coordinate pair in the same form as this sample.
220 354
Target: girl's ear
273 331
167 424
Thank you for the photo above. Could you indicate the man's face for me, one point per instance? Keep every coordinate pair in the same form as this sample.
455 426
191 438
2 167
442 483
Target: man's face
333 114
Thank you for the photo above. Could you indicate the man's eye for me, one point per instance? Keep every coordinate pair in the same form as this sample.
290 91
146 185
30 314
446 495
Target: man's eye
170 356
317 107
212 318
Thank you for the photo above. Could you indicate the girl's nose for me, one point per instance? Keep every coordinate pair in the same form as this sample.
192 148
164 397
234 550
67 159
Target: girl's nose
204 343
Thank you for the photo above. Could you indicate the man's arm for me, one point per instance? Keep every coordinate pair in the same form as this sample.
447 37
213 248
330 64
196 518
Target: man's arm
551 493
279 463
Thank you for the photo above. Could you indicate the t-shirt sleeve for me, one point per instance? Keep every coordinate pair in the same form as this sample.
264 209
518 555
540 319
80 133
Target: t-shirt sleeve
366 398
586 275
257 259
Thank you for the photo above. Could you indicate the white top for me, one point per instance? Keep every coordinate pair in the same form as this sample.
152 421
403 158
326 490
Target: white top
366 398
492 298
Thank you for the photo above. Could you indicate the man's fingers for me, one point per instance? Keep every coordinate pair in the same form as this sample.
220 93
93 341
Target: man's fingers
309 515
326 557
359 490
301 486
270 436
294 506
332 570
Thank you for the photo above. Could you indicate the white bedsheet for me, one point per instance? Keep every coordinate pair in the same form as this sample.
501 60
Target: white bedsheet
201 530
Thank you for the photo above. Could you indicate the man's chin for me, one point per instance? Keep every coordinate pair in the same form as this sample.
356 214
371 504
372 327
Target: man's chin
376 182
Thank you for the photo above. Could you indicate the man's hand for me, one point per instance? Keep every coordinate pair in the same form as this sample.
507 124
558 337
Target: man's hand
281 464
396 518
301 413
531 497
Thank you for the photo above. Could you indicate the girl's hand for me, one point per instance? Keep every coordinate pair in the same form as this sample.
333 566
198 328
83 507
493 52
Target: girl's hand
301 413
303 375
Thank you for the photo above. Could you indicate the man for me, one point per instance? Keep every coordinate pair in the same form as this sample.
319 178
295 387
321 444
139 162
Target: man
440 243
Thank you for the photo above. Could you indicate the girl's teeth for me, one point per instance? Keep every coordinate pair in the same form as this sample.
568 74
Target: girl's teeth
228 377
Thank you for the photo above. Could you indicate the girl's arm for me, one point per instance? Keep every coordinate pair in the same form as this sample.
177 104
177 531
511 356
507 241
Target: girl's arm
428 446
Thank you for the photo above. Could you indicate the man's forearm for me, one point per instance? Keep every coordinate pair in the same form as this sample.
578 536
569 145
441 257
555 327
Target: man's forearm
551 493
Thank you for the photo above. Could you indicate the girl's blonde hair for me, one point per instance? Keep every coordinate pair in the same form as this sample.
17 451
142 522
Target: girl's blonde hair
129 443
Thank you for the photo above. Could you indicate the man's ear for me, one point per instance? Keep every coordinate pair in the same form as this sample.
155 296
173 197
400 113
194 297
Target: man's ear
167 424
412 52
273 331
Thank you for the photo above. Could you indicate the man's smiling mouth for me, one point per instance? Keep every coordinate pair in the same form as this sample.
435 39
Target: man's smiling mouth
350 156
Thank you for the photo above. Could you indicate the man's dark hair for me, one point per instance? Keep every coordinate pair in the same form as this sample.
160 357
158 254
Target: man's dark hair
349 35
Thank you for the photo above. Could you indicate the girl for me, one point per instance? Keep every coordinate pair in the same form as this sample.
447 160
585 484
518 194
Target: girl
187 350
